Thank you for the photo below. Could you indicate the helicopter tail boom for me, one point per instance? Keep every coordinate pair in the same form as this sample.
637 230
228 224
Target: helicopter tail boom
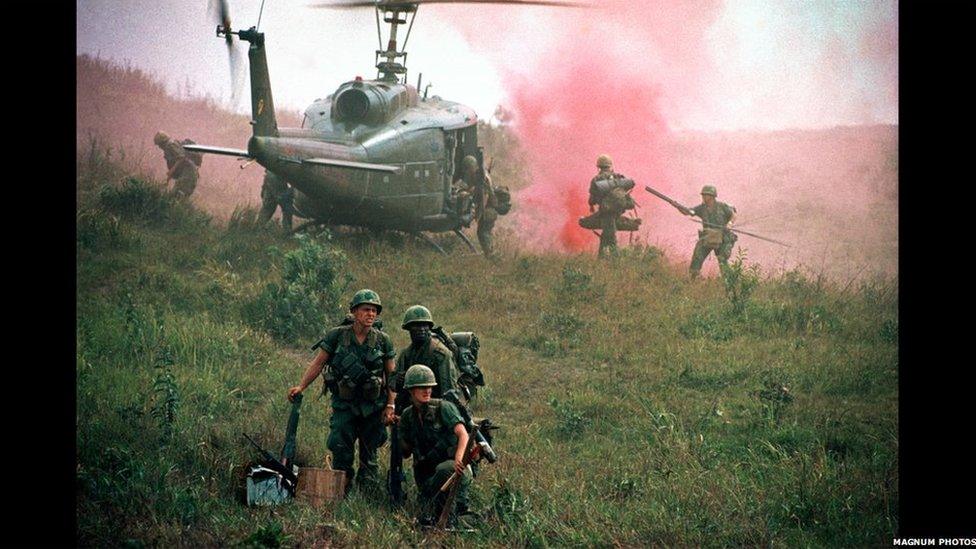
240 153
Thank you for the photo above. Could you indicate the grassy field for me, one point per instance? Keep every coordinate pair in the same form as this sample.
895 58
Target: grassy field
638 407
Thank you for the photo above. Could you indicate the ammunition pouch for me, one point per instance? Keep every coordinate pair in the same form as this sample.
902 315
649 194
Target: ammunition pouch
372 388
711 238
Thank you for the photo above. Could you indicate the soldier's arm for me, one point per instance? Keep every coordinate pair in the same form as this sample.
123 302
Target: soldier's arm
388 415
462 435
311 372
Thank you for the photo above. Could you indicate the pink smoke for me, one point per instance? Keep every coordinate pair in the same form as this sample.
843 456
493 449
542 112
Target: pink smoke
591 81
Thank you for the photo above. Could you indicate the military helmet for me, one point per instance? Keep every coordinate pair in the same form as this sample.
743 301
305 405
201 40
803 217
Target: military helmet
709 189
416 313
160 138
364 297
470 162
604 161
419 375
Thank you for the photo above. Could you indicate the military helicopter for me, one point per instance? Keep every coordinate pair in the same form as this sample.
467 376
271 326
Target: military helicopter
374 153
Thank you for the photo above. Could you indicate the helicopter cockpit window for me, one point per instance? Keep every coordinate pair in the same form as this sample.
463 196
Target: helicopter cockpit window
352 105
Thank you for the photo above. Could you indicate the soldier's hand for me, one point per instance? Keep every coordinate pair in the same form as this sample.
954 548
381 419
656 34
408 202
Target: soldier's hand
294 391
388 416
592 208
459 466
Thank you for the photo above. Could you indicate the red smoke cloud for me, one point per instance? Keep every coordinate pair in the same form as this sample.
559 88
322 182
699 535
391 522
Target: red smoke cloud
591 81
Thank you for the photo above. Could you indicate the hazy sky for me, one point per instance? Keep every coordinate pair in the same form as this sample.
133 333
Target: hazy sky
755 64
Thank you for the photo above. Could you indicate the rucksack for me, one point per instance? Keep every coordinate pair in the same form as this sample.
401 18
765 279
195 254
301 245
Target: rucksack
194 157
464 346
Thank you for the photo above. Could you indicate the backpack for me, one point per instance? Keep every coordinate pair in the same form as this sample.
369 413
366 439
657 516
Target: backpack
618 200
464 346
194 157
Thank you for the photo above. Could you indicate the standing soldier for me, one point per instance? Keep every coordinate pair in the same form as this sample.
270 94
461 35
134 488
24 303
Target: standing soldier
427 350
360 361
433 431
611 204
716 217
275 193
483 197
181 165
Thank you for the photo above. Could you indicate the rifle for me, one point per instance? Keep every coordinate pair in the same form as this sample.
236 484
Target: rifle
688 211
485 425
289 478
453 483
288 450
395 477
683 209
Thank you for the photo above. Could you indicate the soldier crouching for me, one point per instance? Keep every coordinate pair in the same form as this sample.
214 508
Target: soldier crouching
433 432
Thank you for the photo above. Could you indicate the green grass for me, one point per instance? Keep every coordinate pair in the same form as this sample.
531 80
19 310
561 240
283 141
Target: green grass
637 407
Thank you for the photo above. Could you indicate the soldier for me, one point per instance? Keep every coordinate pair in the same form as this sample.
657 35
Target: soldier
276 192
483 197
360 360
601 187
181 165
716 217
427 350
433 431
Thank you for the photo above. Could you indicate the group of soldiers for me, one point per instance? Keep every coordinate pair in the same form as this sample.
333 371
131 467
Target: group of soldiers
418 392
609 191
182 166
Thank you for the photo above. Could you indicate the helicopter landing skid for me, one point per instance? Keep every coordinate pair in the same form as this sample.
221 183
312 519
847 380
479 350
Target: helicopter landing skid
466 240
430 241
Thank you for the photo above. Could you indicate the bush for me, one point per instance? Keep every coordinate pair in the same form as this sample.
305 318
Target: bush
308 297
740 281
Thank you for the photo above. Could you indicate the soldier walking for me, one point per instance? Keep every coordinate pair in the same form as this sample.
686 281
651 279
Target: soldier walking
360 362
275 193
181 165
433 431
602 188
715 234
481 194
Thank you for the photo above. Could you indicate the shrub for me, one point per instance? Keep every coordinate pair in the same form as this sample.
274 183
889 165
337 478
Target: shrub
313 281
739 281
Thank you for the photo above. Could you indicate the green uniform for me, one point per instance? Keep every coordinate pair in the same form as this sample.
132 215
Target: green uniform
356 408
608 219
487 214
182 166
717 216
276 192
436 356
430 436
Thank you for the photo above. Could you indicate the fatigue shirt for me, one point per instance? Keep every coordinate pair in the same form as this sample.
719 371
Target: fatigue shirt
716 217
373 352
430 433
435 356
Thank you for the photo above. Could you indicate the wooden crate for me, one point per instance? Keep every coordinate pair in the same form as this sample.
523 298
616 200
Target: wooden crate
318 486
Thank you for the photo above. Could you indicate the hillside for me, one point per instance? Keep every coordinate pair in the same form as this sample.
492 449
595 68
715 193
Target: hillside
637 407
832 194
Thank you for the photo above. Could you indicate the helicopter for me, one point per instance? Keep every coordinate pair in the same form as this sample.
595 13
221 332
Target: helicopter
374 153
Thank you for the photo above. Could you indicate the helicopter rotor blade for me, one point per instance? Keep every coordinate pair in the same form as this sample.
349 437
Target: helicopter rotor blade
234 57
347 4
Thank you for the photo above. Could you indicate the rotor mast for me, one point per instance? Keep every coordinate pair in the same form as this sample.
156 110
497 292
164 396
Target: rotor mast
389 68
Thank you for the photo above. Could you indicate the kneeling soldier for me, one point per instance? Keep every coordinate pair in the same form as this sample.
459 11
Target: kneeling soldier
433 431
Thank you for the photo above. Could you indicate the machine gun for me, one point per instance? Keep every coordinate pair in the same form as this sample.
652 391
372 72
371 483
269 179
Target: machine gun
395 477
484 426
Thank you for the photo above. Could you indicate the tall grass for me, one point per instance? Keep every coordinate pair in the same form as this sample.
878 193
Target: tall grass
637 407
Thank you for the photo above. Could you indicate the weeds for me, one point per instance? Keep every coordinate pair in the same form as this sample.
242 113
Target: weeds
167 395
740 281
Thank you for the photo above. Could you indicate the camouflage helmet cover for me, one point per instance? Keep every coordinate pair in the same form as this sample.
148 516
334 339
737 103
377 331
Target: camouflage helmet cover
419 375
364 297
416 313
160 138
470 162
709 189
604 161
